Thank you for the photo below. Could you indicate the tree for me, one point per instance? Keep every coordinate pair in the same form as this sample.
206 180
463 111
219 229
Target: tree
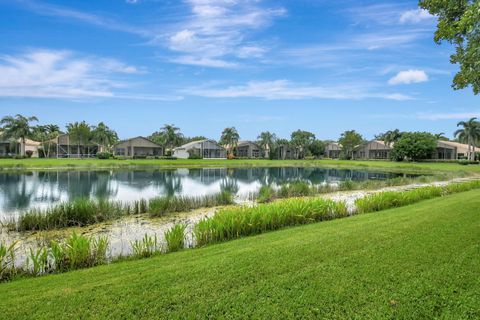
80 134
104 136
229 139
414 146
267 141
170 136
459 24
441 136
301 140
470 134
45 134
389 137
317 148
350 140
17 127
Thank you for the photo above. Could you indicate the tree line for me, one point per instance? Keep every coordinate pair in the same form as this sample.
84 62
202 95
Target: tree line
410 145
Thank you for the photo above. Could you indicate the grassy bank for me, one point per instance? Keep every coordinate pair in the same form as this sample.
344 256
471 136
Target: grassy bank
419 261
40 164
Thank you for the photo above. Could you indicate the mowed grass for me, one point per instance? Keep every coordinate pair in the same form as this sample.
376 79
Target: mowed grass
39 164
415 262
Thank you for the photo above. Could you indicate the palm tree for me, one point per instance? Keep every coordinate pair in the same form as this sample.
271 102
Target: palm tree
171 136
266 140
104 136
45 134
229 139
80 133
17 127
391 136
469 133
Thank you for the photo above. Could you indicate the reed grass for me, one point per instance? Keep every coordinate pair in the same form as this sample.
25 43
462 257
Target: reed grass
236 222
82 212
392 199
162 205
146 247
175 238
7 261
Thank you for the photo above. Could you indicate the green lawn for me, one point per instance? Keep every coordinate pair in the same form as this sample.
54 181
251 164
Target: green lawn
416 262
95 163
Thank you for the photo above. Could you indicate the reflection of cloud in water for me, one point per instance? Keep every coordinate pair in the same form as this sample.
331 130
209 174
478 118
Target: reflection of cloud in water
20 191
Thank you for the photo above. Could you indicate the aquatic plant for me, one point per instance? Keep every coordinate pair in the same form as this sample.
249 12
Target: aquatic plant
38 262
392 199
162 205
146 247
78 252
7 261
266 194
295 189
235 222
175 238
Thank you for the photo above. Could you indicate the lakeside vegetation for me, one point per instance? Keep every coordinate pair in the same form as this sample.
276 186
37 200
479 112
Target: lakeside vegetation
227 224
431 272
82 212
95 164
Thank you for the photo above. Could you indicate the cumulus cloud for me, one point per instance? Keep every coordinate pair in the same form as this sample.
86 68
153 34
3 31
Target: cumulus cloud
415 16
216 32
63 74
408 77
287 90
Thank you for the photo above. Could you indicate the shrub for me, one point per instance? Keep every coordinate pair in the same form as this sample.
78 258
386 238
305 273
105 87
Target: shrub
194 156
29 153
104 155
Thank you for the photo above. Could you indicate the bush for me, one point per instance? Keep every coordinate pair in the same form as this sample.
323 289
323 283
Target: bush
195 156
104 155
29 153
140 157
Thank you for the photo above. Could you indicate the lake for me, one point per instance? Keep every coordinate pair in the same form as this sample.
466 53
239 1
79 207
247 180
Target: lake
39 189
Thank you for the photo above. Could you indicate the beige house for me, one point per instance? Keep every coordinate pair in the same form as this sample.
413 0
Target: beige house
9 147
138 147
333 150
206 149
373 150
450 150
287 152
66 147
248 149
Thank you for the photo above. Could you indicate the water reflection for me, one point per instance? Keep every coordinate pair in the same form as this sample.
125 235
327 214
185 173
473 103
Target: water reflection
20 191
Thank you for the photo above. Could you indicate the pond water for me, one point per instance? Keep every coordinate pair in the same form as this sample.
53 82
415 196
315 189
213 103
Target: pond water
39 189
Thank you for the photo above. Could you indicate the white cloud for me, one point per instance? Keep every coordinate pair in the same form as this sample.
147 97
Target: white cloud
415 16
287 90
448 116
217 32
64 74
408 77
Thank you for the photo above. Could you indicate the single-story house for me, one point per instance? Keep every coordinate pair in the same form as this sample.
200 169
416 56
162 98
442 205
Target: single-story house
287 152
450 150
68 148
333 150
10 147
373 150
139 146
248 149
207 149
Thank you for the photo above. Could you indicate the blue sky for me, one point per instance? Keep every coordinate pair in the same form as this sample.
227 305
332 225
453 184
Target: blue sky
318 65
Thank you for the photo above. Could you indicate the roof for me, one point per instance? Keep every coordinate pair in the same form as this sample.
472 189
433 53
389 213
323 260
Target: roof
139 137
461 147
192 143
246 142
